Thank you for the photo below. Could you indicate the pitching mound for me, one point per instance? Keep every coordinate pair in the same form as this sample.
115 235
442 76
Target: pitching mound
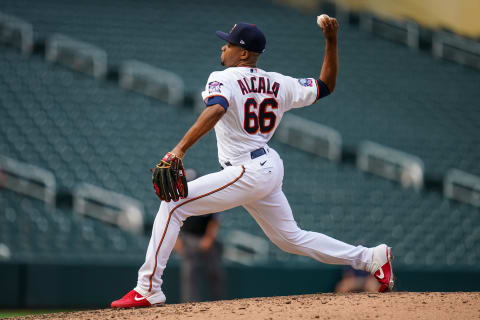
398 305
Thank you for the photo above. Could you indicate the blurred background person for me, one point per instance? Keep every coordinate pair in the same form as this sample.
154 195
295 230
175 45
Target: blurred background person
201 267
356 281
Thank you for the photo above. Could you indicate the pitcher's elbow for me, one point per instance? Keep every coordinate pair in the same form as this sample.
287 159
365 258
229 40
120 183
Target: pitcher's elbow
331 86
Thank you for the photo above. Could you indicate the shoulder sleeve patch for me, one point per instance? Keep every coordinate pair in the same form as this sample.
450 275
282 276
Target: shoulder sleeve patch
306 82
215 87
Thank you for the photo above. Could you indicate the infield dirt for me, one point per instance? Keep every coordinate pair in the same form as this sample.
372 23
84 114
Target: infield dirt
396 305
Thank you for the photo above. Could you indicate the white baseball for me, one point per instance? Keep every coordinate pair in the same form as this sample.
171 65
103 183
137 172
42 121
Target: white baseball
321 18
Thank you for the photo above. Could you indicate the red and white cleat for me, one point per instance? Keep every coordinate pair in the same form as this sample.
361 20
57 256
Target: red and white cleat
382 268
133 299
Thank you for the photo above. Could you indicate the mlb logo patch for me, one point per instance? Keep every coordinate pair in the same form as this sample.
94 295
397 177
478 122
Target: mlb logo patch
214 86
306 82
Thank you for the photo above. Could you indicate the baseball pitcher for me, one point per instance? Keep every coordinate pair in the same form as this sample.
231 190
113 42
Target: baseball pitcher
245 105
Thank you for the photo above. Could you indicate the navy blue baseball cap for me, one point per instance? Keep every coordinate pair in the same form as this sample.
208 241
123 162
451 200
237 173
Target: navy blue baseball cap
246 35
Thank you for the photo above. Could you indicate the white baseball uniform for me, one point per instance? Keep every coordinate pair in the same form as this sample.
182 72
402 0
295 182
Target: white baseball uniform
255 101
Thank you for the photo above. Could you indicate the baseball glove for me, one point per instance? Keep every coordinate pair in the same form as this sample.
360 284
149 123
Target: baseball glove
169 180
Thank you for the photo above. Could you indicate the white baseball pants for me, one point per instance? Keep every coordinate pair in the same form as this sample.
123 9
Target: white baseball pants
257 186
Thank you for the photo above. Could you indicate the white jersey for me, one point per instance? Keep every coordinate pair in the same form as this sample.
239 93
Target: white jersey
257 101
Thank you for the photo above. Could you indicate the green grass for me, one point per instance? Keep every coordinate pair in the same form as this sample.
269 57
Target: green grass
20 313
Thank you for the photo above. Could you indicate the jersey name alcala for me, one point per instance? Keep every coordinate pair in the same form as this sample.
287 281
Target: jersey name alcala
258 85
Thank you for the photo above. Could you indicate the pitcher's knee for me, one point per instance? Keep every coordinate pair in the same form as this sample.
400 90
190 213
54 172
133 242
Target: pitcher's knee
286 245
294 237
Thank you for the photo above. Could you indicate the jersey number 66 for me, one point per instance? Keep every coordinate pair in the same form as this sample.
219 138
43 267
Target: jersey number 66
265 120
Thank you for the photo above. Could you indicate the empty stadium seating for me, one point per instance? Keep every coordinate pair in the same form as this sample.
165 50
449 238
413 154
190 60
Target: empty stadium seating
89 131
424 229
86 131
178 36
385 93
35 233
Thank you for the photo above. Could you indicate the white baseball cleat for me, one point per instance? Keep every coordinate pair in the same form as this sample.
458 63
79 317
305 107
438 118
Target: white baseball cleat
381 267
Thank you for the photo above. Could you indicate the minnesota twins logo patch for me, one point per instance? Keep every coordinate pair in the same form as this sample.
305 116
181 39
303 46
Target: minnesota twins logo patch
306 82
214 86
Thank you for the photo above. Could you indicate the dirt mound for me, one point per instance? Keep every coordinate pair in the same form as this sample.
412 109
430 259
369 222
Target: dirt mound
397 305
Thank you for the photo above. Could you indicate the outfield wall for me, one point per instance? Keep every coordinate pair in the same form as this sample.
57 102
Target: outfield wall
95 286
